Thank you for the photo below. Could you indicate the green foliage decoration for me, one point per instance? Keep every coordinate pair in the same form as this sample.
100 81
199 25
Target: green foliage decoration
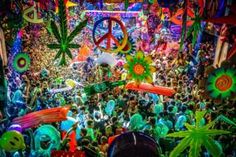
64 40
197 136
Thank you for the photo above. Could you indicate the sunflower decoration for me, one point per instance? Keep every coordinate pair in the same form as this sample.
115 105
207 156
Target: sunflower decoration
129 47
222 83
139 67
21 62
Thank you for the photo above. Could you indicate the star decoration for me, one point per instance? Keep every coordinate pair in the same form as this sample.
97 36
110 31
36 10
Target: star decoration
139 67
197 136
67 3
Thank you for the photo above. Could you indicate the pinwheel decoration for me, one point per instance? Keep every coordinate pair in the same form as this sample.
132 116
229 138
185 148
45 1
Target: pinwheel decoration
222 83
64 40
21 62
139 67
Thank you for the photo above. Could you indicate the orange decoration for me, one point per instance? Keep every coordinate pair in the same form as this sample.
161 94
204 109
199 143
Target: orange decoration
138 69
224 82
43 116
178 21
146 87
83 54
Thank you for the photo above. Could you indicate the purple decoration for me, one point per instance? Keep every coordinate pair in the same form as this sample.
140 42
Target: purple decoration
15 127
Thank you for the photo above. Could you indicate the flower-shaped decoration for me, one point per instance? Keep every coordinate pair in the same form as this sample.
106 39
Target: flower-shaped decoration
222 83
139 67
21 62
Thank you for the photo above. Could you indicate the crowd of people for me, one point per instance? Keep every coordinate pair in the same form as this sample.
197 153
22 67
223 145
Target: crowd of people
101 117
153 114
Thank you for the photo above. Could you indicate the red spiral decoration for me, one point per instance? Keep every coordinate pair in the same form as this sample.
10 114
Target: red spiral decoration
224 82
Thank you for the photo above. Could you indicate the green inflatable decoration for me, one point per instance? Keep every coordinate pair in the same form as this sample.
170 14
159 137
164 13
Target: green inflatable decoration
12 141
222 83
102 87
197 136
21 62
64 40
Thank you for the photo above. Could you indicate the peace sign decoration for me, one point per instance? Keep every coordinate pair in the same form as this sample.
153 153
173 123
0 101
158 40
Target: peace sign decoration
109 37
35 18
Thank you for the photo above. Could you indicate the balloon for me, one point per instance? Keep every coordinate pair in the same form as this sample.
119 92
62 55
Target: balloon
110 107
145 87
106 58
12 141
46 133
70 83
136 122
15 127
44 116
83 54
102 87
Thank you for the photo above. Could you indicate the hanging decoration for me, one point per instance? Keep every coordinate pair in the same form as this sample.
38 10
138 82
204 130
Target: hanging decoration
221 46
102 87
12 141
126 4
21 62
109 36
35 18
176 18
64 40
222 83
195 28
146 87
139 67
178 21
43 116
83 54
67 4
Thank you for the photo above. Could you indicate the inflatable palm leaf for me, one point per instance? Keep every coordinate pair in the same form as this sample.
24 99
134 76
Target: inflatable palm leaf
64 40
196 28
197 136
